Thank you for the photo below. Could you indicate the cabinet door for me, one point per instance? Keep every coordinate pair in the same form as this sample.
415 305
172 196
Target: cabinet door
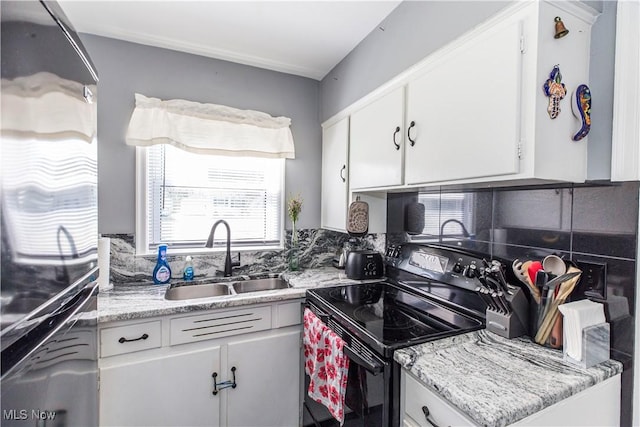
174 390
268 381
466 111
375 143
335 143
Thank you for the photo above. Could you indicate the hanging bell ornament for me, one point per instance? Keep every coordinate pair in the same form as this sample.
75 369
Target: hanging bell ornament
561 30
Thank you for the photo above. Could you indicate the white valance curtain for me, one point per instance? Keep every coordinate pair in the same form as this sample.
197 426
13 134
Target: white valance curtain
47 107
209 129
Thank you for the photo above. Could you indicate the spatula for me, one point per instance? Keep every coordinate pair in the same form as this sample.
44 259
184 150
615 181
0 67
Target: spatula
520 271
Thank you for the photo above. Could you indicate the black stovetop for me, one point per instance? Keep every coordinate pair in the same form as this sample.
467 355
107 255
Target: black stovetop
426 296
387 317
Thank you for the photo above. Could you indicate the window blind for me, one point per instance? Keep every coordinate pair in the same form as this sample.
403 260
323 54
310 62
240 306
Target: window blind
441 207
189 192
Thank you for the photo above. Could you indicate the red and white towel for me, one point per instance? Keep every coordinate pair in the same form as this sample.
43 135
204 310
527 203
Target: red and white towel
326 365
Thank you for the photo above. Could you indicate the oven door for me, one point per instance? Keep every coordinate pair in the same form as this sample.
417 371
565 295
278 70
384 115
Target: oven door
369 386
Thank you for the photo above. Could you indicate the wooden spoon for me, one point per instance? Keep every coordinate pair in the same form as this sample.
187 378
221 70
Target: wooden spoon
565 290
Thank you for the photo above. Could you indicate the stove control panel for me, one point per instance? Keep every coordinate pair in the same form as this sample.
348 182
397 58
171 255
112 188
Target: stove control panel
436 263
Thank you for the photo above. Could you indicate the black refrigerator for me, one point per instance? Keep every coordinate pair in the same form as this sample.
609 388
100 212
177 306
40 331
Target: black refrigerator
49 220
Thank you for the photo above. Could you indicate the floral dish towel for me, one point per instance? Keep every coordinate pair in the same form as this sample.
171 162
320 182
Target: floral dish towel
326 365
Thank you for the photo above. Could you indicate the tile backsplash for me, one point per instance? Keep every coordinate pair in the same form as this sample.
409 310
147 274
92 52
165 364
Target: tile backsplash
317 247
594 224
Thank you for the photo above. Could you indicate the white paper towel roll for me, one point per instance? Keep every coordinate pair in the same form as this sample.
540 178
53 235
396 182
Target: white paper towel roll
104 254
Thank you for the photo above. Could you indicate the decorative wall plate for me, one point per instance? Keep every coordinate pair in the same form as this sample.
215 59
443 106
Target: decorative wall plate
358 218
581 107
555 90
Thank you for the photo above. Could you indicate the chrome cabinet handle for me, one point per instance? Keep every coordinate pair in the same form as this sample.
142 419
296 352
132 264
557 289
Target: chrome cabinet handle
394 137
123 340
427 416
342 170
412 141
217 386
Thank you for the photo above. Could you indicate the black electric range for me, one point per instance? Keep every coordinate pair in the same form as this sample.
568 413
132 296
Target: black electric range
428 294
386 316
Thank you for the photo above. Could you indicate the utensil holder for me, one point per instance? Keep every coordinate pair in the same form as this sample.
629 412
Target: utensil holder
556 335
513 324
595 346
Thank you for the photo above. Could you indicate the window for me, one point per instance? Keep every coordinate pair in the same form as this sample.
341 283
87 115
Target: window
453 210
185 193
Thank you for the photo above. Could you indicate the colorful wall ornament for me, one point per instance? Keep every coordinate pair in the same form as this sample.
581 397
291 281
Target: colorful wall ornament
581 107
555 90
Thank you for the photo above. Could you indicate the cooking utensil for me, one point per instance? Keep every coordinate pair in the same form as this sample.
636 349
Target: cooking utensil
541 284
492 303
555 339
520 271
549 292
554 264
496 269
533 269
483 296
566 287
505 302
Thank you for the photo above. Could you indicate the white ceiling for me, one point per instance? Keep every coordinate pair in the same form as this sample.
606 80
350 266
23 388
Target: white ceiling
302 37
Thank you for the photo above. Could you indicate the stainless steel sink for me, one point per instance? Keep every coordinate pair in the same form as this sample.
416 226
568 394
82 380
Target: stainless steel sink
256 285
197 291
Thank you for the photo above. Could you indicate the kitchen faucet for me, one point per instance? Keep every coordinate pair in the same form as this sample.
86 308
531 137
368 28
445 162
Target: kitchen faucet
227 263
465 233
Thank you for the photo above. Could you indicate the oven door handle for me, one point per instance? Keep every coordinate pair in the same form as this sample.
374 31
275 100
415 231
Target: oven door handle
324 317
375 369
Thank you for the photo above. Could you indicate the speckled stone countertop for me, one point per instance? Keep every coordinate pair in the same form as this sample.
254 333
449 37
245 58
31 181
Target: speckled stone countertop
127 302
497 381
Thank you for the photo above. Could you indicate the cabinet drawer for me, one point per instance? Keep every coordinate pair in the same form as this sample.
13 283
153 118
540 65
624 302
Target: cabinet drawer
288 314
441 412
130 338
219 324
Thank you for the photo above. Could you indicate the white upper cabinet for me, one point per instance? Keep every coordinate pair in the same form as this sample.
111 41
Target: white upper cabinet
549 152
335 173
625 156
475 111
376 144
463 112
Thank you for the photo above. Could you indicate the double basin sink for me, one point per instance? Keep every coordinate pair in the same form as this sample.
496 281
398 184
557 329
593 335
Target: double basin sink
221 289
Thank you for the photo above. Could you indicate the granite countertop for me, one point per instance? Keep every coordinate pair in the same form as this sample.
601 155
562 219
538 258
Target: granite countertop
127 302
497 381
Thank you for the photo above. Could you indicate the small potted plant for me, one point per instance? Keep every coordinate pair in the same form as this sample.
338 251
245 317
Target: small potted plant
294 207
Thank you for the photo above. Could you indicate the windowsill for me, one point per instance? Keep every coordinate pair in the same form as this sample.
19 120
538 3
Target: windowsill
211 251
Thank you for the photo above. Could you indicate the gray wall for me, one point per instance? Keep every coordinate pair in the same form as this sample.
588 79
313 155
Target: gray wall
411 32
126 68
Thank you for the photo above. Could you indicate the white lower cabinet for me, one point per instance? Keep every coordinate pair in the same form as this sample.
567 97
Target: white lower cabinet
267 393
598 405
173 383
169 390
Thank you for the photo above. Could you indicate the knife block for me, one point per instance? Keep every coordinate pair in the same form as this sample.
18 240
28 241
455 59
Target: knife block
514 324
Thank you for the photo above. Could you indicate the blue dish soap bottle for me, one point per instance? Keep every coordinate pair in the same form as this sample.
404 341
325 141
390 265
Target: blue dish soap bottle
188 272
162 271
